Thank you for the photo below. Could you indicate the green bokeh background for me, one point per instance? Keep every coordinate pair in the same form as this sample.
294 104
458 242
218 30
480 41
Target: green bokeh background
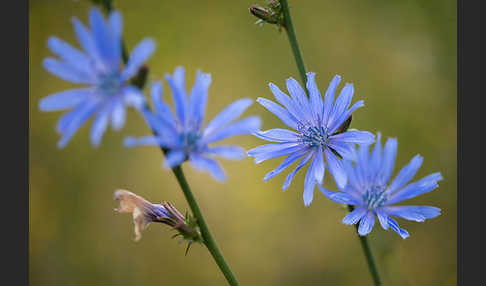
401 57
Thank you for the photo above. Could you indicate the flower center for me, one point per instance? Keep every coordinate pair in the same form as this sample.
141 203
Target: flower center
110 84
314 136
375 197
190 140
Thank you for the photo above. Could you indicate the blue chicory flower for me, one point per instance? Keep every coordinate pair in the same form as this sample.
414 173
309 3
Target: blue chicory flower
316 122
370 191
100 67
183 134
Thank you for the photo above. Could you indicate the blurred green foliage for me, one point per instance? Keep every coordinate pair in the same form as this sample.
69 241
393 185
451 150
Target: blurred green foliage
401 57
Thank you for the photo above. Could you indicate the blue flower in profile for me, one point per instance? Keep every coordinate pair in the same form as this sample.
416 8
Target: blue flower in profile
316 123
99 67
183 134
370 191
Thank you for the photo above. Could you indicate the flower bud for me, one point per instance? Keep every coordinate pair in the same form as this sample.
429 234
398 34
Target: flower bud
272 14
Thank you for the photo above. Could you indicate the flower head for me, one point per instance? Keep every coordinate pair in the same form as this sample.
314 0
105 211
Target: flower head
99 66
145 212
369 189
183 133
316 123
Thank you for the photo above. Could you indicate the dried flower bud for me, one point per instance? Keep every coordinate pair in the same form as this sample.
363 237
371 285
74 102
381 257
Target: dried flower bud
145 212
272 14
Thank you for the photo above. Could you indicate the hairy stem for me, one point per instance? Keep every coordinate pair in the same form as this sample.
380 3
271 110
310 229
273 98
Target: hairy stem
367 252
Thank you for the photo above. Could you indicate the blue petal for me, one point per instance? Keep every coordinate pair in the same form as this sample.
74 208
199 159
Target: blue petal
162 128
133 97
336 169
329 98
376 154
102 36
118 115
144 141
366 224
76 121
406 174
315 98
115 23
354 216
225 117
292 107
394 225
412 190
341 105
388 161
280 112
319 167
162 109
338 122
85 39
174 158
362 164
228 152
382 218
67 72
340 197
65 99
99 126
357 137
247 125
140 54
346 150
414 213
278 135
203 163
291 175
310 183
178 86
298 95
71 55
198 98
287 162
275 151
351 174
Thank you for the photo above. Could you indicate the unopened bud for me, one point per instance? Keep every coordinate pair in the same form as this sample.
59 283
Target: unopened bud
272 14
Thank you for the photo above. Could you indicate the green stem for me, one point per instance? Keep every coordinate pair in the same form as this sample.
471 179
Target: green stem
206 234
367 252
289 28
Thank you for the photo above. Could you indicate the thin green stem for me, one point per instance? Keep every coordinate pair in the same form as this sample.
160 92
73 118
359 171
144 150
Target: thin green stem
206 234
289 28
367 252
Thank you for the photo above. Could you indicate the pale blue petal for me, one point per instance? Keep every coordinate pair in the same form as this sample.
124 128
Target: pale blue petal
247 125
319 167
99 125
346 150
225 117
341 105
64 99
394 225
118 115
228 152
278 135
283 151
133 97
340 197
145 141
357 137
267 148
315 98
174 158
67 72
291 175
389 155
406 174
140 54
115 23
329 98
198 98
71 55
76 121
376 158
354 216
337 123
414 213
336 168
382 218
412 190
85 39
287 162
209 165
299 97
102 36
366 224
310 183
162 128
162 109
292 107
178 85
287 118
